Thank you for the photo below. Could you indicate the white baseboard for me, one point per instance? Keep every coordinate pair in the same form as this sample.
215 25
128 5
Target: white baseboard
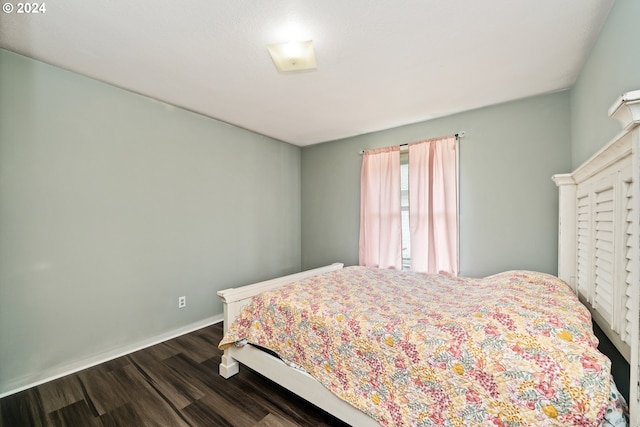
38 378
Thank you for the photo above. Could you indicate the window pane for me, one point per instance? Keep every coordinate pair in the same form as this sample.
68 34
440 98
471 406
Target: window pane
404 202
406 247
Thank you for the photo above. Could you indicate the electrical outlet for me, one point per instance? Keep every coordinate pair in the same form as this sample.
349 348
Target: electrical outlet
182 302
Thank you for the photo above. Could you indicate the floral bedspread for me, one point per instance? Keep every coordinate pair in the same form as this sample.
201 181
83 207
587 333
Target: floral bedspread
411 349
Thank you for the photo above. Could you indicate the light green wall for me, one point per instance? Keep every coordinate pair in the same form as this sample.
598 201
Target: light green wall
508 203
612 69
112 205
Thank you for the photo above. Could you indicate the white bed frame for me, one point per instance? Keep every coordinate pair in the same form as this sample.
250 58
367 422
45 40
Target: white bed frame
598 252
598 255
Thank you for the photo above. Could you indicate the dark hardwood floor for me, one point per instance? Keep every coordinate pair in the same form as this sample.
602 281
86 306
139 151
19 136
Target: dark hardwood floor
175 383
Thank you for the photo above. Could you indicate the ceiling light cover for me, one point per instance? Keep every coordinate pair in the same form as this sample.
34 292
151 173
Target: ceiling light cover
293 56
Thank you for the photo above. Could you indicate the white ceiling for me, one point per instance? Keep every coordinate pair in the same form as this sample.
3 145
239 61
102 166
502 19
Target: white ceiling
381 63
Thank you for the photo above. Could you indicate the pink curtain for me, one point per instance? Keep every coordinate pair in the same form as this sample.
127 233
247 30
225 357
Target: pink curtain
380 214
433 206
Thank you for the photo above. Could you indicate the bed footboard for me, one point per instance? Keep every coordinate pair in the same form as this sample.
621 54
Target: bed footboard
234 299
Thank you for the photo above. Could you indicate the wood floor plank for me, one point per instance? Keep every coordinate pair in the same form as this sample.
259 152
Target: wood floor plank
154 353
59 393
275 421
115 364
148 401
76 414
170 384
102 390
215 407
197 374
210 335
123 415
22 409
193 347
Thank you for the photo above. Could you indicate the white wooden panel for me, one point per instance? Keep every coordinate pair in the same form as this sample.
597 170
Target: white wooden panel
603 292
584 264
629 275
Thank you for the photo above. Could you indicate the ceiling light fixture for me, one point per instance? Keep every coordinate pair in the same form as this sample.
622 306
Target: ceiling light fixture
293 56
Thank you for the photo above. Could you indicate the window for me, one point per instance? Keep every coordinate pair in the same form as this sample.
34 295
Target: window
408 207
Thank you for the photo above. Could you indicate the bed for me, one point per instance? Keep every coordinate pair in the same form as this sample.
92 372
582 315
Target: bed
525 356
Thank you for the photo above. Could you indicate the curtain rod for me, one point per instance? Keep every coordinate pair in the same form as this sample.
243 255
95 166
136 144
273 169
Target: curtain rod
458 136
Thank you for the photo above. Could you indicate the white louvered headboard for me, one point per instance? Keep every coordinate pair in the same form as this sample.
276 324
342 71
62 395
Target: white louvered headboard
598 252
